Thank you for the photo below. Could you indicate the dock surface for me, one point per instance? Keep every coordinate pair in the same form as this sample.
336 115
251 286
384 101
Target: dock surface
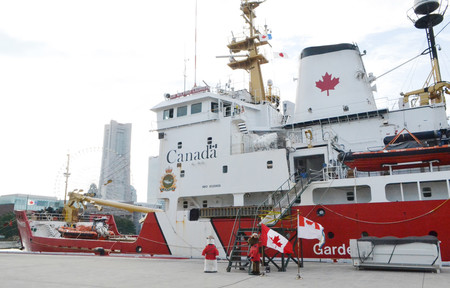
44 270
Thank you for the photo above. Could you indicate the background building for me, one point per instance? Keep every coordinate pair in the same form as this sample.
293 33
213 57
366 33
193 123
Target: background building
114 181
9 203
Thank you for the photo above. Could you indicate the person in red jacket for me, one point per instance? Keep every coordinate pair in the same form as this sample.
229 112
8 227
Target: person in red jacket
210 252
254 255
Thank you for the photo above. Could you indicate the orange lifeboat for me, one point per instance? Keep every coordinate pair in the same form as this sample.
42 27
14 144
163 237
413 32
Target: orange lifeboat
80 232
389 158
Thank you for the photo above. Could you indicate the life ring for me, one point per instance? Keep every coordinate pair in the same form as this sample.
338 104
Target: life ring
138 249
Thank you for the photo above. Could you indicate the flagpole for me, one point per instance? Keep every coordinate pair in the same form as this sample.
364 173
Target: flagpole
298 249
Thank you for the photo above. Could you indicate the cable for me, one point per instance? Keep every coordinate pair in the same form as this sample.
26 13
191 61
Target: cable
385 223
442 28
421 54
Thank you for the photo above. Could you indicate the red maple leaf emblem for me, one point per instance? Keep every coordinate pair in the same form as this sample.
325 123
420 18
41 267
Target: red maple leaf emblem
276 241
327 84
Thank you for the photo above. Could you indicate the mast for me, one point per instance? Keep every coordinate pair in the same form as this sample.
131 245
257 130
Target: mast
425 14
67 174
253 60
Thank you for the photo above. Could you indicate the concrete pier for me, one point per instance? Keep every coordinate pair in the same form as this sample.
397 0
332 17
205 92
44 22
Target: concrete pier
46 270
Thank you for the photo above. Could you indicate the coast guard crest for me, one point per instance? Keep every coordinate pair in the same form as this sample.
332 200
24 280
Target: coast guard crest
168 181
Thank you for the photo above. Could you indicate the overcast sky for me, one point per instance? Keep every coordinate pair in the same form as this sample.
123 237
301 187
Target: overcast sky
67 68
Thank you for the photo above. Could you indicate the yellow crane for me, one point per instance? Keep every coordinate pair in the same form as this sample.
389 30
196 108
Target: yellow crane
77 199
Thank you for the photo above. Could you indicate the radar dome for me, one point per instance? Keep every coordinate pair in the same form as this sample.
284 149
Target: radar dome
425 6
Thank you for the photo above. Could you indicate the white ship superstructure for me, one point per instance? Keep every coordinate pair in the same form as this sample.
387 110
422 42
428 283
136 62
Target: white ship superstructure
230 149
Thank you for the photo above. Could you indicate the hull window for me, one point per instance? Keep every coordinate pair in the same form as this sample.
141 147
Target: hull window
430 190
426 192
194 214
342 195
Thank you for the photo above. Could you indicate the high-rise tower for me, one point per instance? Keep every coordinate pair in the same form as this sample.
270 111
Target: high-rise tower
115 172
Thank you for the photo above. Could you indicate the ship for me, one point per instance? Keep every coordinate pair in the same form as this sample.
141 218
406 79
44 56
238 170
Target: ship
230 160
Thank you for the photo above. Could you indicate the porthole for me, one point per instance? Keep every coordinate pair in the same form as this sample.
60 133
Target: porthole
330 235
320 212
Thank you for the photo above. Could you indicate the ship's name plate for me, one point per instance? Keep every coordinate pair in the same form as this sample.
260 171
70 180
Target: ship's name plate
176 156
211 186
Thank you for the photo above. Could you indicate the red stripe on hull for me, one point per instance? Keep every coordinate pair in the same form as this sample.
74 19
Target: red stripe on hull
349 221
149 241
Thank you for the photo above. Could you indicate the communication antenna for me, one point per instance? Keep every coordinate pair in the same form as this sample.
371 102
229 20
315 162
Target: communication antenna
195 48
67 175
425 14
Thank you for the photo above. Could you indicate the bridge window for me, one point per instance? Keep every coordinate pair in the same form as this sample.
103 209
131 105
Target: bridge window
181 111
214 107
224 169
196 108
168 114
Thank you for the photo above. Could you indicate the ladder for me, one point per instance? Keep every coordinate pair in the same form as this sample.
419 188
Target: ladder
281 200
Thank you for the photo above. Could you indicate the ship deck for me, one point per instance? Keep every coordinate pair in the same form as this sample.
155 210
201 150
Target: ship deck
20 269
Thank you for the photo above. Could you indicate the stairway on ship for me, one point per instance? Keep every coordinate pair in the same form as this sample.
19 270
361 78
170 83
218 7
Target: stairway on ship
282 200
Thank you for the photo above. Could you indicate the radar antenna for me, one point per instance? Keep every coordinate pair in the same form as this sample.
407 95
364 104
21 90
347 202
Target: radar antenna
425 14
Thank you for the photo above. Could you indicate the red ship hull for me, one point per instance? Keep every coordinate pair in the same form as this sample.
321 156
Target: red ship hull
351 221
149 241
341 222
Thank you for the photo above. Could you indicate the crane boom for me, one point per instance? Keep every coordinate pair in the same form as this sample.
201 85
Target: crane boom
71 212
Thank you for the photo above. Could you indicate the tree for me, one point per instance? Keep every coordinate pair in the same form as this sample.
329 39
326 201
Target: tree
8 226
125 226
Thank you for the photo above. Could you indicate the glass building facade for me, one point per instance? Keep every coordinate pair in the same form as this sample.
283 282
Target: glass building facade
31 202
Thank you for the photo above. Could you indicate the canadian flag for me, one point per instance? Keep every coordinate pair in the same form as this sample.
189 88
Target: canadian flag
308 229
30 202
275 240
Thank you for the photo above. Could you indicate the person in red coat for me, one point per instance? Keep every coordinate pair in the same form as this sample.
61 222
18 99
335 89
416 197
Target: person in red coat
254 255
210 252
